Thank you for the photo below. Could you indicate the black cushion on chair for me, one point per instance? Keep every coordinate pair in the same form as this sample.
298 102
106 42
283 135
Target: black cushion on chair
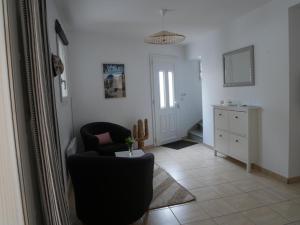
117 133
111 190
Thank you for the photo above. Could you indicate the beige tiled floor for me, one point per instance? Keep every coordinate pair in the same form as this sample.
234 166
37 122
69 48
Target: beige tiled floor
226 194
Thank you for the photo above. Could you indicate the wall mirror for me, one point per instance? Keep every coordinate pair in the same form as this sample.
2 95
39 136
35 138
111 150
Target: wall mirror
239 67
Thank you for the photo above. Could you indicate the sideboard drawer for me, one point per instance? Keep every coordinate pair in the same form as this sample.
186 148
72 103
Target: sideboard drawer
221 119
238 147
238 123
221 142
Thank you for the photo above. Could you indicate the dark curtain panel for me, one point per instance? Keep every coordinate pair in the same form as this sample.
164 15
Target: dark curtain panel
43 112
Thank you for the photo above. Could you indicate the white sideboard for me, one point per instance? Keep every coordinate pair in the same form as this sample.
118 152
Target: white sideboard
236 132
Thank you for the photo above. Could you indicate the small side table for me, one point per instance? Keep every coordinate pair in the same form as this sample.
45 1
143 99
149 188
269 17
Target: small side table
135 153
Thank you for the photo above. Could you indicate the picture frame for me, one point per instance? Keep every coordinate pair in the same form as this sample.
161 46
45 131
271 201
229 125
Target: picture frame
114 80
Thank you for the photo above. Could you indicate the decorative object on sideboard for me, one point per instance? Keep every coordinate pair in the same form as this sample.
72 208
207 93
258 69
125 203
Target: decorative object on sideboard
57 65
114 80
230 103
141 132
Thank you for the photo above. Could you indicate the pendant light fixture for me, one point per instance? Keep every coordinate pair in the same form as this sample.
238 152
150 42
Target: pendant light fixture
164 37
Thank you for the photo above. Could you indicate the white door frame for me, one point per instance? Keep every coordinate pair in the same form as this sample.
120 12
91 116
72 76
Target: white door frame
152 59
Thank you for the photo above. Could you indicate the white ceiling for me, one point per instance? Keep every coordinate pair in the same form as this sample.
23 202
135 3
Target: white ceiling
138 18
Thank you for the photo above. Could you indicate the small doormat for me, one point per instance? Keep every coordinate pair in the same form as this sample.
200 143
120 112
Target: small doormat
179 144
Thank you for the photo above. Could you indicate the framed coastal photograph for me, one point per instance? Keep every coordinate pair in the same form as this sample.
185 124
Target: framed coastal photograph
114 80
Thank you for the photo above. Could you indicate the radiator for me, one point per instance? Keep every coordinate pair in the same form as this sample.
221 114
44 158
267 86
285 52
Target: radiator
72 147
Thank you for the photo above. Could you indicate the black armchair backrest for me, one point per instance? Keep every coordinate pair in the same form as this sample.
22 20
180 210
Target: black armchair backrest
117 132
109 187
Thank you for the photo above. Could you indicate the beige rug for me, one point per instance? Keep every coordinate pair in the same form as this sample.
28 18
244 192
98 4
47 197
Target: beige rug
167 191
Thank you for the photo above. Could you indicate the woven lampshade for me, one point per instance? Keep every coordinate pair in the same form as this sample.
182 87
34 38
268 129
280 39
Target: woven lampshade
164 38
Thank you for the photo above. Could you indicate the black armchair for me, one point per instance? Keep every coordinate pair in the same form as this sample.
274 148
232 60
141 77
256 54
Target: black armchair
117 132
111 190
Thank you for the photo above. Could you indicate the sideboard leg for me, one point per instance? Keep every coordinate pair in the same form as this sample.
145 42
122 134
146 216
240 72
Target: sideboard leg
249 167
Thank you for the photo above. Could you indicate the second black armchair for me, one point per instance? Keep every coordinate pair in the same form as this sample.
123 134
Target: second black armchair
118 135
111 190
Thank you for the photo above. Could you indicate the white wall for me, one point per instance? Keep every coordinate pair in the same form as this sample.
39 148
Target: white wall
64 109
88 52
294 91
267 29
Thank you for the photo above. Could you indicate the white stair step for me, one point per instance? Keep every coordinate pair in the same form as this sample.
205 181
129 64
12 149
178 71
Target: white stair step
197 133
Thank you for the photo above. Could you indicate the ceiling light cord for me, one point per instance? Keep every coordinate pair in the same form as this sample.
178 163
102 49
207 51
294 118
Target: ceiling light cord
163 13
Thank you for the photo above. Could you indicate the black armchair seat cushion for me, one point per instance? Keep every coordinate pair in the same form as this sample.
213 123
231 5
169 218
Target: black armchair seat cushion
117 133
111 190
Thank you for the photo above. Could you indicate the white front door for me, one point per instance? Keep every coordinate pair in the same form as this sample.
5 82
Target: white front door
165 107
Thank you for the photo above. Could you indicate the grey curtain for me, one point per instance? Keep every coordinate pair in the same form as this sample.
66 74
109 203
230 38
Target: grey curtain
43 112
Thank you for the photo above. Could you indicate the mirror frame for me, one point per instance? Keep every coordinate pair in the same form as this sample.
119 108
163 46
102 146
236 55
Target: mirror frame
252 76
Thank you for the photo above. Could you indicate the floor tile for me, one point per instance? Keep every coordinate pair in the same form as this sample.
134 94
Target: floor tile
243 202
297 200
212 180
265 196
179 175
295 223
296 186
233 219
170 166
225 190
265 180
159 217
217 207
202 172
205 193
289 210
265 216
202 222
248 185
285 191
236 175
191 183
189 213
